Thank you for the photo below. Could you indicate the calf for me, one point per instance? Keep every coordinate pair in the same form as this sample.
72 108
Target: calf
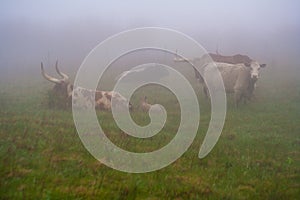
145 106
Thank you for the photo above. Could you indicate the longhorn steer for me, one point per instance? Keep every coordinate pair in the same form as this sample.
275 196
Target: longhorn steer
84 97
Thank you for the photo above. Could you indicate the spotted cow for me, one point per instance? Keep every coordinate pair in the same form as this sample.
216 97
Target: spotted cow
101 100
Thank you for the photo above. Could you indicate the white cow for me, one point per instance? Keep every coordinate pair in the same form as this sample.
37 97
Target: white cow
238 78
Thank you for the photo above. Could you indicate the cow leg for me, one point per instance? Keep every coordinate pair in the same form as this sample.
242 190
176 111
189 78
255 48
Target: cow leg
245 98
237 97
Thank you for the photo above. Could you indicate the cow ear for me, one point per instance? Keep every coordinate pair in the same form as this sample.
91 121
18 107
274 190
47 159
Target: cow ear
263 65
247 64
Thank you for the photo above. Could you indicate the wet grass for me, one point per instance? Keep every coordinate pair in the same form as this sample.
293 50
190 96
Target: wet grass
257 156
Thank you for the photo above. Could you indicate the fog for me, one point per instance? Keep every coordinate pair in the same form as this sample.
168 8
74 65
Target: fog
35 31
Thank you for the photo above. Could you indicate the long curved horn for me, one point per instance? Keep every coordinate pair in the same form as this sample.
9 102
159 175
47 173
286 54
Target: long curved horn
64 76
49 78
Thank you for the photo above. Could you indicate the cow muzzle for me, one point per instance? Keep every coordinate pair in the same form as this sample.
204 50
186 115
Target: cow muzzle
254 77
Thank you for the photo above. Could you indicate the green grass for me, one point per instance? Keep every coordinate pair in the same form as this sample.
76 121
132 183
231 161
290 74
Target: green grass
256 157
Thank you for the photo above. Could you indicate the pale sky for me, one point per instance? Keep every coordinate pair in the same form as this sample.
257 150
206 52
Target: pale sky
31 30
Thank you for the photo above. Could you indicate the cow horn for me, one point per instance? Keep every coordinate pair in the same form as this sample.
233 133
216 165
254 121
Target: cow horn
49 78
64 76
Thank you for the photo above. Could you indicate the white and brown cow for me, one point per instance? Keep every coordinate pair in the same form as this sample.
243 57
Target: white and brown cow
84 97
239 72
226 64
237 78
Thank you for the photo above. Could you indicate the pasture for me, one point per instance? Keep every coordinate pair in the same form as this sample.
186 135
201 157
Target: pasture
256 157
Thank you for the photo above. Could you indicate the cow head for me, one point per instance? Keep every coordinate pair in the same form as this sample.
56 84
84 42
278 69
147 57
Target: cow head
62 86
255 67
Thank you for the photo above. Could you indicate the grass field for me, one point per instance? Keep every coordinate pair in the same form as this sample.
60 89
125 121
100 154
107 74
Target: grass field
256 157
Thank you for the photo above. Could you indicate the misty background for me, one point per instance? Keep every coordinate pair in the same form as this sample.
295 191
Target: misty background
34 31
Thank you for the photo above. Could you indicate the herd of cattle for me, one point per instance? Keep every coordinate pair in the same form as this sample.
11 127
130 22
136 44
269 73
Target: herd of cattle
239 73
